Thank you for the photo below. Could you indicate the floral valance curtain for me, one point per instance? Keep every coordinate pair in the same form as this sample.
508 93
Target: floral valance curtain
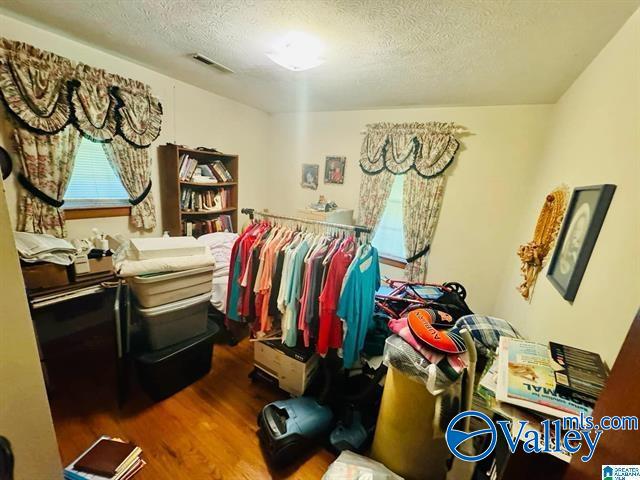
422 152
46 92
46 95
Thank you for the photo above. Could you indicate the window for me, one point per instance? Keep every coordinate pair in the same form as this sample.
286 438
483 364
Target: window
389 236
93 182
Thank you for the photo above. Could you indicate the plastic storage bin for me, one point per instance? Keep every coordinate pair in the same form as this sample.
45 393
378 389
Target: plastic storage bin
167 371
174 322
147 248
159 289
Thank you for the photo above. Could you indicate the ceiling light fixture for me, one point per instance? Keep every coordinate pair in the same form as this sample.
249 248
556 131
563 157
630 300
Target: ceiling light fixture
297 51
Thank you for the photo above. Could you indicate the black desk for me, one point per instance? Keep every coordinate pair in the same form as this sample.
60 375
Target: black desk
65 312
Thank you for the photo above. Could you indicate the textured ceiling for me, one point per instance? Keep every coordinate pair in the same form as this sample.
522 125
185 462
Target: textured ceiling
380 53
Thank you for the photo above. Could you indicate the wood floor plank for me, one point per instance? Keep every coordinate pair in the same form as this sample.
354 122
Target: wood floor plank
206 431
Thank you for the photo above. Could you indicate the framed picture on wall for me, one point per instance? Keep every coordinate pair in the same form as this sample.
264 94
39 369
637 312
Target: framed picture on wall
334 169
582 222
310 175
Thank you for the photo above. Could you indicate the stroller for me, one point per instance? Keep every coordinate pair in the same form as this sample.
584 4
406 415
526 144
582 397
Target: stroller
397 298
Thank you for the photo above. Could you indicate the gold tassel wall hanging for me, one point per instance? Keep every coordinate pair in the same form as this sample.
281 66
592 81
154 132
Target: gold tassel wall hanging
533 253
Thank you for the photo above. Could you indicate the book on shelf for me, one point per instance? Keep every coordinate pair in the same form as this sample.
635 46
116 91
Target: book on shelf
107 459
526 379
221 171
222 223
205 200
191 170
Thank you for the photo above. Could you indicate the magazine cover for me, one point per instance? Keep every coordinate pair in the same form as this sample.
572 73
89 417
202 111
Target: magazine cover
526 378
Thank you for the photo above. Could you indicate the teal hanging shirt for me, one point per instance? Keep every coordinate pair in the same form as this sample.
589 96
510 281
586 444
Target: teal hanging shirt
357 302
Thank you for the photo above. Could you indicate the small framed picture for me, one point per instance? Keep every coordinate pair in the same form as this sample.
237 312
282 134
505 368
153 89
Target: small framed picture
582 222
334 169
310 175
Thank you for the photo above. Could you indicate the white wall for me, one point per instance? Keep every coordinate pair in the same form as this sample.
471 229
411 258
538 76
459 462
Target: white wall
594 138
485 191
192 117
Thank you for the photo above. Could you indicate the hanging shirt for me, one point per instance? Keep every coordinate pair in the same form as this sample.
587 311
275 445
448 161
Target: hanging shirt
233 285
289 330
330 326
357 299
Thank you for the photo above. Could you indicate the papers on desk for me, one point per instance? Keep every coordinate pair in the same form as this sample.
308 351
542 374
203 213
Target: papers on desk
35 247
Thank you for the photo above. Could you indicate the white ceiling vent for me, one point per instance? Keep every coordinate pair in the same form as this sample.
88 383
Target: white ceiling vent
207 61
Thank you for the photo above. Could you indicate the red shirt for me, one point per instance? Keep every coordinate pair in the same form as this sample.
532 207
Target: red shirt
330 326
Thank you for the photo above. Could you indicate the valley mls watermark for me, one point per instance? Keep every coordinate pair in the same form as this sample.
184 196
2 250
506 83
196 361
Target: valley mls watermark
562 435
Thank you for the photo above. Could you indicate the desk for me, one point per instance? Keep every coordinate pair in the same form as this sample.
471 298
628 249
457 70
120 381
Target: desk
69 310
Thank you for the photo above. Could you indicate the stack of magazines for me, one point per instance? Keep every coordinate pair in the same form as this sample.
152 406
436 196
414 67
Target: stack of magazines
526 378
107 459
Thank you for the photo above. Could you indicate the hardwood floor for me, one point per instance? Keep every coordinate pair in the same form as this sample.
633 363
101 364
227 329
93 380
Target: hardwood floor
206 431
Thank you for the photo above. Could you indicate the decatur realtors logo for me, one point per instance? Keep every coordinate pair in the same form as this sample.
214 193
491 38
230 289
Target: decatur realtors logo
456 436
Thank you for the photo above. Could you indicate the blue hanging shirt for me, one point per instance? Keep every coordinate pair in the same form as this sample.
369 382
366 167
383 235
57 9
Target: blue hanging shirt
357 302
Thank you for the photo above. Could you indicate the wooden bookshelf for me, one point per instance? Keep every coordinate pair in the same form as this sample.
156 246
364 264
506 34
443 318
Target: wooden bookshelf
172 213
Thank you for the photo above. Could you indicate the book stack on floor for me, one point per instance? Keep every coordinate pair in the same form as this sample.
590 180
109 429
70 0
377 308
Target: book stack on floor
198 172
107 459
196 228
205 200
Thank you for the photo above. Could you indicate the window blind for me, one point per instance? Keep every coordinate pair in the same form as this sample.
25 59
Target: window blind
389 236
93 182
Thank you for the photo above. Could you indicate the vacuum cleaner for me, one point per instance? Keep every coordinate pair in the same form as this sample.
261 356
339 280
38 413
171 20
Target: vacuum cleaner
288 428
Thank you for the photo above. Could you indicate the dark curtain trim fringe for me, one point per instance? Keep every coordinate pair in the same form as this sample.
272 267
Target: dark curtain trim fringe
73 120
36 192
142 196
119 105
74 84
413 166
22 124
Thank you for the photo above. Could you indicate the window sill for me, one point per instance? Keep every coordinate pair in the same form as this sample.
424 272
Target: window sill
393 262
96 212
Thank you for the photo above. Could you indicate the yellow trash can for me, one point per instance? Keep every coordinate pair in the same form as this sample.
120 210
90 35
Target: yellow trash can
404 439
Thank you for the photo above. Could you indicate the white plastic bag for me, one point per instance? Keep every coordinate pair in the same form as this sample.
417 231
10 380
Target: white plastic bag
351 466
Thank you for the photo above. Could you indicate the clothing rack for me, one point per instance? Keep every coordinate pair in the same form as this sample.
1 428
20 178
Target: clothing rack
357 229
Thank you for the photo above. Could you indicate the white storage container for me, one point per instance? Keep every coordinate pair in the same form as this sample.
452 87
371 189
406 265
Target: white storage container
148 248
174 322
158 289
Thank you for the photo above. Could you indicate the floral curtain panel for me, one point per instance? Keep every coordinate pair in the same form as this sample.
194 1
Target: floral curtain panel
422 152
45 93
46 166
374 192
128 164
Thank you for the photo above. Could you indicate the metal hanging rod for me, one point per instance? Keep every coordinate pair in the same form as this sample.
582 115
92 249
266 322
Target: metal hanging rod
357 229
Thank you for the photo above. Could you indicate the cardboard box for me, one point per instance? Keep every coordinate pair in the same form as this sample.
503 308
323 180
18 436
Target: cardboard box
84 266
44 275
292 370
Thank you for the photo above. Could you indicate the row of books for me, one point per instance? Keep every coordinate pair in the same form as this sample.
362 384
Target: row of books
203 200
196 228
107 459
193 171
